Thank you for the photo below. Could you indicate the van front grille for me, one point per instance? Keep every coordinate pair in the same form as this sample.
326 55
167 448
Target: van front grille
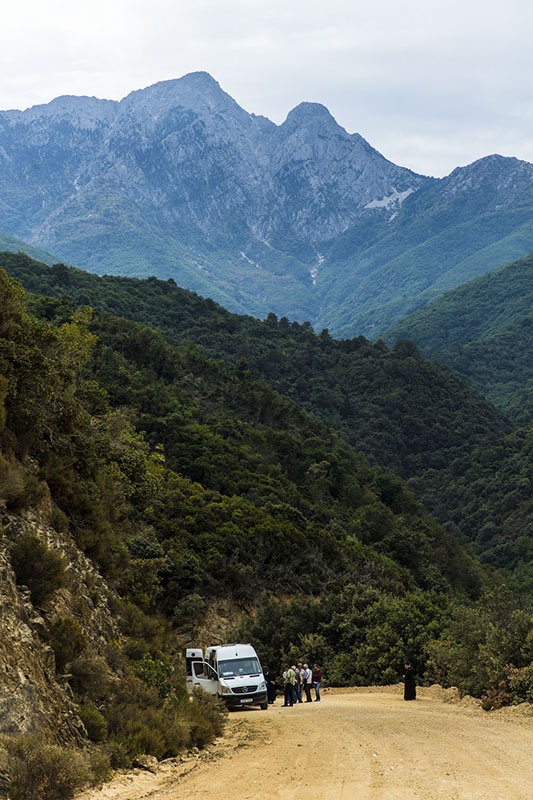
244 689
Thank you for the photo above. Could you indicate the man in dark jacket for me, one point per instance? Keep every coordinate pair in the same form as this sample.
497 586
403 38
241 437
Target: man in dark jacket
409 683
270 680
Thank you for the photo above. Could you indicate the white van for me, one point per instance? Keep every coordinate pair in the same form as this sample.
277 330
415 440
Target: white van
232 671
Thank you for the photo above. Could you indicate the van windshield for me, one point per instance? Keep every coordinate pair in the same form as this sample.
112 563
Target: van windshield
238 666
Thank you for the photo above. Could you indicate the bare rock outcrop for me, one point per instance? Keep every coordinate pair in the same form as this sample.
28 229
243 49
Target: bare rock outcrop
32 697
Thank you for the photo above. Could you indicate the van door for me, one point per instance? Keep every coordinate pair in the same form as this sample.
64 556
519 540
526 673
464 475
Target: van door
205 676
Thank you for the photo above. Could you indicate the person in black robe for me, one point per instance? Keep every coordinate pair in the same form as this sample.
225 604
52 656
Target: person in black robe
270 680
409 683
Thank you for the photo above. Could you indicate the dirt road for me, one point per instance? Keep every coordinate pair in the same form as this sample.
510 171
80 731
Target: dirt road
357 745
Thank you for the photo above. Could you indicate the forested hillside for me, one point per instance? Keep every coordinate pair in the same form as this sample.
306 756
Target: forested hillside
444 234
400 410
13 245
192 485
484 332
259 494
188 484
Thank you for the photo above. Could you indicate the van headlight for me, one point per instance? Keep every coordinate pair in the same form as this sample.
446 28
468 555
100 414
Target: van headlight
262 686
225 689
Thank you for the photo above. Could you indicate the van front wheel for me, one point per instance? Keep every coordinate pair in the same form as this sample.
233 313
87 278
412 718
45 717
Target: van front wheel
264 706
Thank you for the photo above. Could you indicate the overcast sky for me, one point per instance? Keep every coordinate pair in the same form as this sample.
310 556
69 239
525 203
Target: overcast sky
432 85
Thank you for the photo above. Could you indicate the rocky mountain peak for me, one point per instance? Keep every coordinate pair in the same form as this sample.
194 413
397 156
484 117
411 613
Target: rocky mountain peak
82 112
230 199
197 92
313 116
498 172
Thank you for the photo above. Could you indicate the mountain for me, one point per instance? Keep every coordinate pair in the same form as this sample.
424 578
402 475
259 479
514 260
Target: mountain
446 233
178 180
302 219
484 332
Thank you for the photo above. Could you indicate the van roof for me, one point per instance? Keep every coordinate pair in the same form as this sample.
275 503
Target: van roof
245 649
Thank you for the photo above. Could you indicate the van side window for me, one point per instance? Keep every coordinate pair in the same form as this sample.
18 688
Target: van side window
198 668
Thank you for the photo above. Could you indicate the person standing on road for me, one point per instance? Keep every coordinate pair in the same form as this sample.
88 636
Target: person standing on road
409 683
308 681
317 680
270 680
294 692
289 678
298 682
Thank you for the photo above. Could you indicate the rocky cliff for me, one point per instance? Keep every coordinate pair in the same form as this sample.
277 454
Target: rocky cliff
186 149
32 696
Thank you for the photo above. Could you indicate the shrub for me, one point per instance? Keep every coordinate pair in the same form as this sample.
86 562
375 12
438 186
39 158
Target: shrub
145 734
136 721
33 491
58 519
68 641
99 766
342 671
41 771
94 722
117 754
145 633
521 684
11 481
36 566
90 677
496 698
209 715
116 657
154 673
140 721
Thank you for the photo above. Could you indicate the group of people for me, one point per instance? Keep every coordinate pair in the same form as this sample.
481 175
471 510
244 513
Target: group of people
298 681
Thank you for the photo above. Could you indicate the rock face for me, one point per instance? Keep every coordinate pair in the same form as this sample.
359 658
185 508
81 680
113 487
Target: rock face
187 150
32 697
303 219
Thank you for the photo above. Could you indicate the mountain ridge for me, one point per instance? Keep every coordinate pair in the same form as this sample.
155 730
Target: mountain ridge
302 218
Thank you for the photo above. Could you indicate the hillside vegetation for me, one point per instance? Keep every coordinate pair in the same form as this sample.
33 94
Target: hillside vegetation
444 234
400 410
185 482
190 483
13 245
484 332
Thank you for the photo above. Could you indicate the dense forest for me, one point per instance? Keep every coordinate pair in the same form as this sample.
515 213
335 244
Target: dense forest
190 481
401 411
483 330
